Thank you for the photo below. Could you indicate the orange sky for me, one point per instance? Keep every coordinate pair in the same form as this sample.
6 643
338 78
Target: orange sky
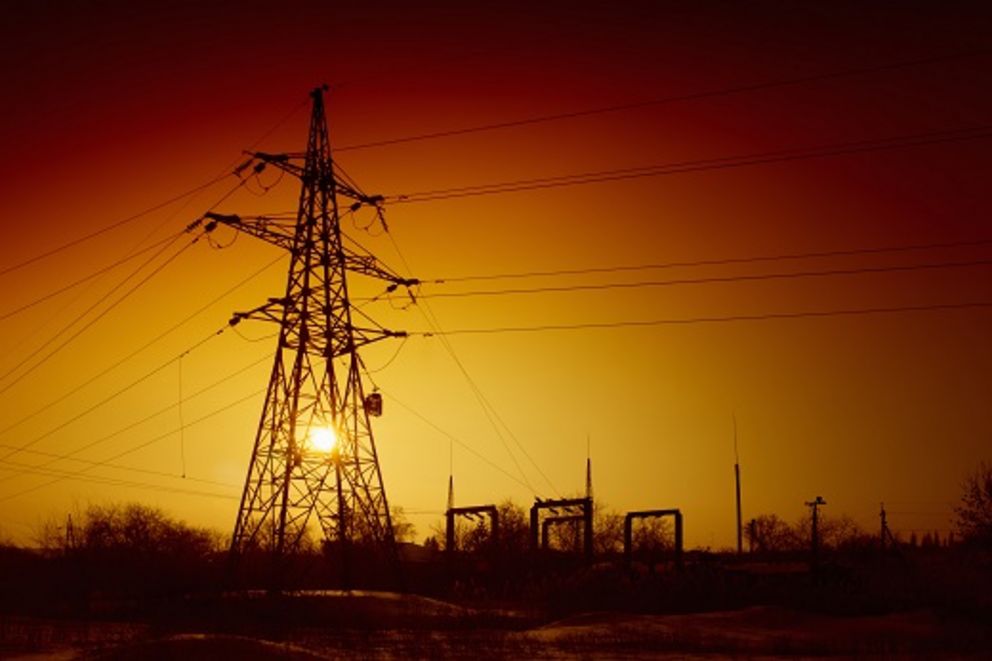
109 111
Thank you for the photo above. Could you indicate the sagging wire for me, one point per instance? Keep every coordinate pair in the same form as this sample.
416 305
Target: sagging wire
410 293
256 176
114 395
252 339
99 315
217 245
366 227
376 202
389 362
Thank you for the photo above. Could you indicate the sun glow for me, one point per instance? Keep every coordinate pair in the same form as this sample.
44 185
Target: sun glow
323 439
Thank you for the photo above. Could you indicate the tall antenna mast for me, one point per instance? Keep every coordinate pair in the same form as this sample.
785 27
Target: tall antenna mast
737 484
588 467
314 461
451 474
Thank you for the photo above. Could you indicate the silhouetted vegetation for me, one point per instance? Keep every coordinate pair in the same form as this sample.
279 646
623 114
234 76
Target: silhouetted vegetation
768 533
135 563
974 514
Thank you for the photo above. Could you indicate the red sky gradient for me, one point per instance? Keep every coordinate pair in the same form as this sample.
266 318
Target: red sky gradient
110 108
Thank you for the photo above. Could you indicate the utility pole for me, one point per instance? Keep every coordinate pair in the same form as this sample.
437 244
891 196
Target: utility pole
314 460
814 506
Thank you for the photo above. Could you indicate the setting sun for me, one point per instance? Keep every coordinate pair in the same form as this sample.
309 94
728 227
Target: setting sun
323 439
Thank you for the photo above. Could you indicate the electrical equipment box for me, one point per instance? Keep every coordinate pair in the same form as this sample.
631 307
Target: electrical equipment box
373 404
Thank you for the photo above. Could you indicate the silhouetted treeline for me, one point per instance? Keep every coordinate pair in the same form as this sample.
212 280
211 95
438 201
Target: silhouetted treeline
109 557
115 552
768 533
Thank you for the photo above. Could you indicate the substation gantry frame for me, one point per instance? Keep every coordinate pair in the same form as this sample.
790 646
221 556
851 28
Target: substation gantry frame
581 508
628 532
470 512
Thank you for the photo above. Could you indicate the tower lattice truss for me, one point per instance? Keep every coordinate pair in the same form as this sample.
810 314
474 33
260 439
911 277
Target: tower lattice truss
314 460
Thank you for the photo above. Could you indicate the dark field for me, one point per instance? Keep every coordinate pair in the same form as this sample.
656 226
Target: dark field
920 605
752 632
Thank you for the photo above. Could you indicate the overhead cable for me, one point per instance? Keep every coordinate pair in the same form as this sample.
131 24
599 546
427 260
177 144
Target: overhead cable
768 316
752 277
692 96
701 165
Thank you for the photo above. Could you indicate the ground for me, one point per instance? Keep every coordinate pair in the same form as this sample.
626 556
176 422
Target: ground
390 626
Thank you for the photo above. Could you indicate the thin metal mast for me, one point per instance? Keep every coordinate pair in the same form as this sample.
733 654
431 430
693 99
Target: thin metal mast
737 486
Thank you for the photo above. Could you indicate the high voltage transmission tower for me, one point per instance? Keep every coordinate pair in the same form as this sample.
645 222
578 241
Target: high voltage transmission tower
314 462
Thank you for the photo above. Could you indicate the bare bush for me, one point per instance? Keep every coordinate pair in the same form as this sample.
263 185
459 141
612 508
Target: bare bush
769 534
974 514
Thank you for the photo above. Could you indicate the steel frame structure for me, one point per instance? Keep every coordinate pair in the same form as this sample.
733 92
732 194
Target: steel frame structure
316 379
557 521
470 512
568 507
628 522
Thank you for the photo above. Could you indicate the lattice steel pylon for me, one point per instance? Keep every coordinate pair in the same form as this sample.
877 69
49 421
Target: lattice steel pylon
314 460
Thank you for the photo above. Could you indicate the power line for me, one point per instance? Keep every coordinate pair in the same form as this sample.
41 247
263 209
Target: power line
158 269
103 230
135 424
704 320
702 165
142 348
488 410
492 415
714 262
17 379
131 450
114 395
461 443
692 96
85 278
133 469
129 219
713 279
135 250
110 481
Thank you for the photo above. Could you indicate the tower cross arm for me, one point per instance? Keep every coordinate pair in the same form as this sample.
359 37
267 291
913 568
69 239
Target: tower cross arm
271 230
282 233
294 164
363 337
370 266
271 310
275 310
